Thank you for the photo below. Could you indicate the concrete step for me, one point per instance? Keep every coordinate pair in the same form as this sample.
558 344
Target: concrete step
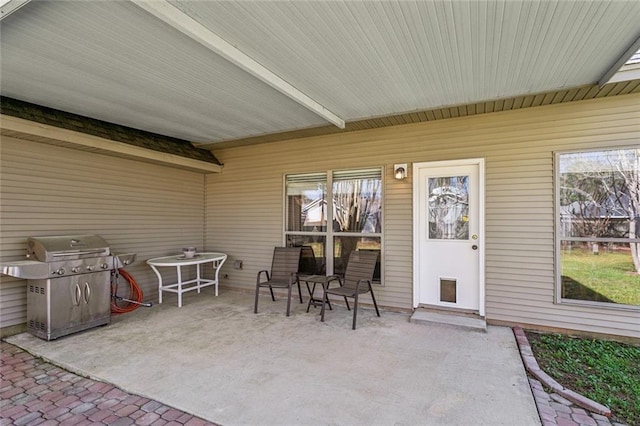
423 316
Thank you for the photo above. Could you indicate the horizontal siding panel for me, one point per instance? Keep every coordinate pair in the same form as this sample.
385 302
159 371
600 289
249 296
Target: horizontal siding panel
137 207
535 278
567 315
530 296
506 255
154 210
518 147
522 282
564 316
498 234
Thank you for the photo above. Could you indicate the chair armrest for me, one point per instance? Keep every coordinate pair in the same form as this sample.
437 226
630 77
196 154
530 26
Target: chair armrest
362 281
264 271
332 278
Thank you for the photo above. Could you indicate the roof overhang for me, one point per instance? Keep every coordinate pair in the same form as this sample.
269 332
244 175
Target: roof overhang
221 72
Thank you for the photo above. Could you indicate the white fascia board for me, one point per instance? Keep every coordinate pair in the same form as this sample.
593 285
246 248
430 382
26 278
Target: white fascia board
102 145
7 7
626 73
168 13
607 77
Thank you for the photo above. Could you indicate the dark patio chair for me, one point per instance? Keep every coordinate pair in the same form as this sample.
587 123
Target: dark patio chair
284 274
356 281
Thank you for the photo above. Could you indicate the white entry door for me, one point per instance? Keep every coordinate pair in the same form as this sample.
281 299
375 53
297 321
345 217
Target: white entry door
448 226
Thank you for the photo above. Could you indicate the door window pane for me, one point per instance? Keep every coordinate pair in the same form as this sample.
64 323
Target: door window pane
448 207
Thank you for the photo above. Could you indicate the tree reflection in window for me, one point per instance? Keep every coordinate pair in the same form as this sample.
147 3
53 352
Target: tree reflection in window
357 205
449 208
598 224
335 219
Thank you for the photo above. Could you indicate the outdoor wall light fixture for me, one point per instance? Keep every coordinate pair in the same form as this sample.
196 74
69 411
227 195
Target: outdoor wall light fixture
400 171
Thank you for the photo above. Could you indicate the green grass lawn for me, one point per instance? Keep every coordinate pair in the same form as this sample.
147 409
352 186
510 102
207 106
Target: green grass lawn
605 277
604 371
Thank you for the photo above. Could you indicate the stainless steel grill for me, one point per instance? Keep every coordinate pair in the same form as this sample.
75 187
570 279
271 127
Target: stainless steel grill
68 288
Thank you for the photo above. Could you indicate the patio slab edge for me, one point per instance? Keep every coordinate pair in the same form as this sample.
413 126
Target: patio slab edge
534 369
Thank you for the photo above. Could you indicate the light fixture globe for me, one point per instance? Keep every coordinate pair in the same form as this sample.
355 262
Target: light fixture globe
400 171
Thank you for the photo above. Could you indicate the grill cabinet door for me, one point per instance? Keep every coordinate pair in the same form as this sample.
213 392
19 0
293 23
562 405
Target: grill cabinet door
96 297
64 305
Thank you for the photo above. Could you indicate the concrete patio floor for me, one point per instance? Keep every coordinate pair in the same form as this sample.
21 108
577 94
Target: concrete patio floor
217 360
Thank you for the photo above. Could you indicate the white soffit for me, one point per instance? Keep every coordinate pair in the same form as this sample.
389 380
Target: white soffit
183 23
115 62
369 59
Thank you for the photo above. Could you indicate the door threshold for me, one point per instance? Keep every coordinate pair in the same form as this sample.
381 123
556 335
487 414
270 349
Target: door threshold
449 318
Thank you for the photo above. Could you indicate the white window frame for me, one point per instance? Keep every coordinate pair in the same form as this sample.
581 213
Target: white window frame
558 238
330 234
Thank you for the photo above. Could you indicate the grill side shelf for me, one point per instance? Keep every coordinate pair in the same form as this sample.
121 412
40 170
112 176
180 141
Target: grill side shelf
26 269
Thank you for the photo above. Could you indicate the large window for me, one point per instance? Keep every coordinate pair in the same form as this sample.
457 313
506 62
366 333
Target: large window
598 226
354 221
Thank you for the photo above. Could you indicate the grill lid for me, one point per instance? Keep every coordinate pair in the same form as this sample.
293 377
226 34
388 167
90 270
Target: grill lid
66 247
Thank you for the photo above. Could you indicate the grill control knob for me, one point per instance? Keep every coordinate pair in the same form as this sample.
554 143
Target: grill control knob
105 266
90 268
61 271
75 269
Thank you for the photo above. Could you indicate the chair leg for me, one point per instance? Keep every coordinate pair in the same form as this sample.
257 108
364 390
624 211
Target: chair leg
374 300
272 296
310 294
300 292
289 298
347 302
355 310
255 306
325 298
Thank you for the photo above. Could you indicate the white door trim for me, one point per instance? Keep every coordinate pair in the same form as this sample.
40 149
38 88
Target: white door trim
481 243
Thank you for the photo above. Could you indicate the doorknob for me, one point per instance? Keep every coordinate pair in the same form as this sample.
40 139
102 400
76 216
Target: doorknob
475 247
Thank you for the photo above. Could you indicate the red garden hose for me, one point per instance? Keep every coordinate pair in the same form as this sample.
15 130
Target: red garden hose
135 295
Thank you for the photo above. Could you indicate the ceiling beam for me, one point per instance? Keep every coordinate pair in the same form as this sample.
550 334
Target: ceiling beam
7 7
198 32
635 46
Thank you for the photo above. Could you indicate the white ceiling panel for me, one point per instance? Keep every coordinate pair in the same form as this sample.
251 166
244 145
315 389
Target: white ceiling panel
364 59
116 62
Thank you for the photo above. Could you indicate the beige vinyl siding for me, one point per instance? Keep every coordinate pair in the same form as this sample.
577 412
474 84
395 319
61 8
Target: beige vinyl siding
137 207
245 202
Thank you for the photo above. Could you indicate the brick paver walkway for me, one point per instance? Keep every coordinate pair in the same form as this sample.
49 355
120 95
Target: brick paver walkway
34 392
554 406
555 410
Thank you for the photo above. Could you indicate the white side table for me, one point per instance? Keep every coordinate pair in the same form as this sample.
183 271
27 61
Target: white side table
178 261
